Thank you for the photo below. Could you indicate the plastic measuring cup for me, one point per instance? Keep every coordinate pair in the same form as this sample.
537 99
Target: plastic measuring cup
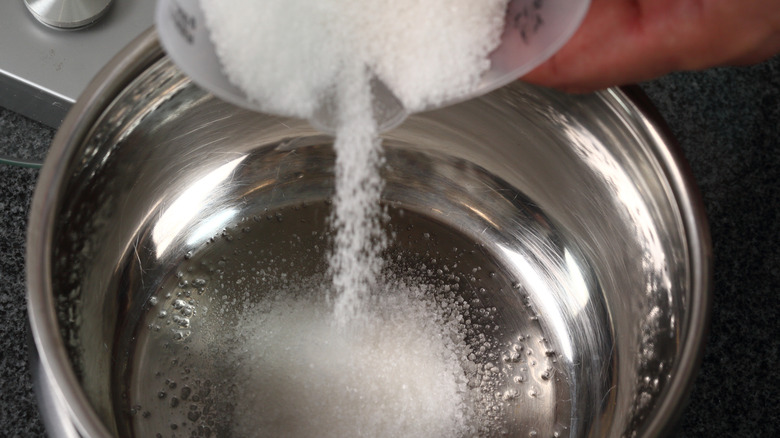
534 30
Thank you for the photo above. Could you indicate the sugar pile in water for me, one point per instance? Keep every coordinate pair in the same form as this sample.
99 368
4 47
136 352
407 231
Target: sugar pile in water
401 375
294 57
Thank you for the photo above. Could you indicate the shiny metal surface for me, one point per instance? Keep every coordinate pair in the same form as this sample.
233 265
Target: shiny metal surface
43 71
575 213
67 14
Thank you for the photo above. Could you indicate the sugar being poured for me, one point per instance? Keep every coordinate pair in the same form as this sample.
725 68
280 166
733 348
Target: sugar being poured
290 55
294 57
355 262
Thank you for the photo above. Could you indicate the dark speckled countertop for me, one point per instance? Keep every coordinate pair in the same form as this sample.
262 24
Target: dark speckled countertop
727 122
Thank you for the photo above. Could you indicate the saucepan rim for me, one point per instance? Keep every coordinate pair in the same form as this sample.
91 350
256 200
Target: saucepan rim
146 50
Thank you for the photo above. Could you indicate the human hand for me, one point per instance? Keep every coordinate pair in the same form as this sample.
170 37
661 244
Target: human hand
626 41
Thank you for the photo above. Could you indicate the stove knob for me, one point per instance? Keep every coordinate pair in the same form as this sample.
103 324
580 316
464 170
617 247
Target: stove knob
67 14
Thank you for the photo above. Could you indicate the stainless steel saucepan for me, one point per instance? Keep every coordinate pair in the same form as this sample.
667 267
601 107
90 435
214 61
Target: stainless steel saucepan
570 223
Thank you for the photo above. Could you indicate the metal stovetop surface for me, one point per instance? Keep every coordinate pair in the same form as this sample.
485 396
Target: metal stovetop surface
43 70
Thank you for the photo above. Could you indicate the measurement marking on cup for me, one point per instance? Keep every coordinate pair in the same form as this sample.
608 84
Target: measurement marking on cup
528 20
185 23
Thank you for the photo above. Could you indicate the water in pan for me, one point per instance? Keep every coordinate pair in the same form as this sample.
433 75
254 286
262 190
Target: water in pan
236 339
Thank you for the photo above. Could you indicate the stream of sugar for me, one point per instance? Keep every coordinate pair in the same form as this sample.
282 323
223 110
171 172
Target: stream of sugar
292 57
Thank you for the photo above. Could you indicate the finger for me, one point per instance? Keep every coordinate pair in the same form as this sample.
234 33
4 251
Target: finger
604 51
625 41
